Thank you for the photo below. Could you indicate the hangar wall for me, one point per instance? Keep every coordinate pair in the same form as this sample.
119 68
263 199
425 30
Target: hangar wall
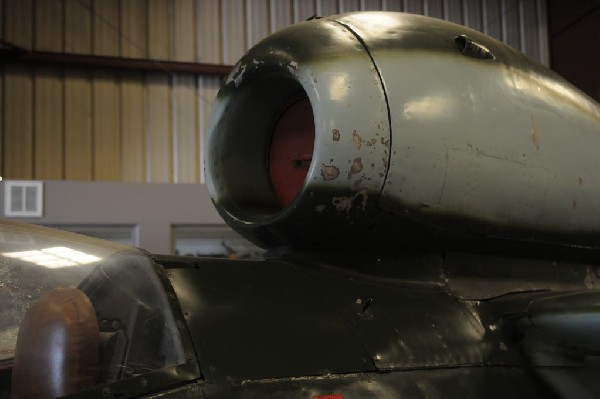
104 124
106 140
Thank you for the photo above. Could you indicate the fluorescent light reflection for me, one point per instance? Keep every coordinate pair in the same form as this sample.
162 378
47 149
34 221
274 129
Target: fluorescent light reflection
54 257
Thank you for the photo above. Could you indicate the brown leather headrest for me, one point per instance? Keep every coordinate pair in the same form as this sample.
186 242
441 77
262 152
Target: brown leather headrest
57 347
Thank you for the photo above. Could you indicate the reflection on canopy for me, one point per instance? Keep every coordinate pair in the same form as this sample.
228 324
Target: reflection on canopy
54 257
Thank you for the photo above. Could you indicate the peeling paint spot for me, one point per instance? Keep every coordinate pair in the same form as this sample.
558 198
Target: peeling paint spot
345 203
385 142
356 167
342 203
336 135
534 134
320 208
294 64
357 140
236 75
329 172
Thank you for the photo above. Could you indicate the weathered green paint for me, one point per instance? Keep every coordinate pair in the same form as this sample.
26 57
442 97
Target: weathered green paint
419 143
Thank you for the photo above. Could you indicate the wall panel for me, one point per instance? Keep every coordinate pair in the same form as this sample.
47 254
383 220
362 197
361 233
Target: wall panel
184 31
48 124
106 127
281 14
159 139
133 127
414 7
134 20
210 39
434 8
2 159
233 30
78 27
473 14
18 22
160 29
258 21
18 122
148 127
185 130
304 10
48 23
78 125
106 30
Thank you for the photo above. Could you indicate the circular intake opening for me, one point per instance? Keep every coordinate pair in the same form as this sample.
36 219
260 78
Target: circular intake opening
291 150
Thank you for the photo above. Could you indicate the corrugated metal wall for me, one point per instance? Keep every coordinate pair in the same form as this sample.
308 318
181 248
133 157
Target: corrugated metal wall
101 124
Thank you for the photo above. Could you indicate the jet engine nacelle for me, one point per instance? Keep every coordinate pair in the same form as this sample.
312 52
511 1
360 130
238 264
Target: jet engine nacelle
386 129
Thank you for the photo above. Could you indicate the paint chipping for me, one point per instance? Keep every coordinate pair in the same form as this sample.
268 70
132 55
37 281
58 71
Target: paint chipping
356 167
385 142
336 135
345 204
329 172
236 75
534 134
371 142
342 203
357 140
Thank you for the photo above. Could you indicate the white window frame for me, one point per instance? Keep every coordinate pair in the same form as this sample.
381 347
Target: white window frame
8 187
